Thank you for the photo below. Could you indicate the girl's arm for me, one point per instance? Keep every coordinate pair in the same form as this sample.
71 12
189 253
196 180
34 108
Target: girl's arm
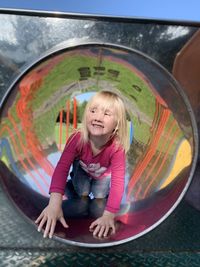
59 177
53 211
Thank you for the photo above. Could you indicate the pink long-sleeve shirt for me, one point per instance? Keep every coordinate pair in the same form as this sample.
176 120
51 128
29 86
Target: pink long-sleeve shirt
111 160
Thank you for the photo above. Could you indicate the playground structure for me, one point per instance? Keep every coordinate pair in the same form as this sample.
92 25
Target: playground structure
163 151
67 122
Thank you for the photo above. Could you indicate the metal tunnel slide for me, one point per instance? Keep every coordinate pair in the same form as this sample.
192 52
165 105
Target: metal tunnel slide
43 106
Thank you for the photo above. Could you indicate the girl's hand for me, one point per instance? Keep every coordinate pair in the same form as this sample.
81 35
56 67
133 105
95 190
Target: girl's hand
101 227
50 215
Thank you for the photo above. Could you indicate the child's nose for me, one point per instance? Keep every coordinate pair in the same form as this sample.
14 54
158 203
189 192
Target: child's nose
99 116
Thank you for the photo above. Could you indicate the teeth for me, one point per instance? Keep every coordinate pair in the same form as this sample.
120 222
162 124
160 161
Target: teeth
97 125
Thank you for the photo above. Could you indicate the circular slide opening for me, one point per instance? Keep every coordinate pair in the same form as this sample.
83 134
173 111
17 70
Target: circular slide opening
44 106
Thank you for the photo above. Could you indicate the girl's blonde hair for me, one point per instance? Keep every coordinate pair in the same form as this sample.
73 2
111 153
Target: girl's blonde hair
108 100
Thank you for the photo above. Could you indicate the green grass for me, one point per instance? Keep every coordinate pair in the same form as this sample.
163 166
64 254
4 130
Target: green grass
66 72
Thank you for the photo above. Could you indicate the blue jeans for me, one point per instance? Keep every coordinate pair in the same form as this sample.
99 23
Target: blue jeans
84 185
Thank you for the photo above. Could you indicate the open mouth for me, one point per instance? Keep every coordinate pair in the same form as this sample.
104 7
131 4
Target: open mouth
97 125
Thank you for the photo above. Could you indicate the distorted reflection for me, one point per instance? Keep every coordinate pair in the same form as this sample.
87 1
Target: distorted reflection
47 104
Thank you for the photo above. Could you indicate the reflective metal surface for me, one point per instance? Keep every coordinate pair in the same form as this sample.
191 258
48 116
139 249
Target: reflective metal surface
88 58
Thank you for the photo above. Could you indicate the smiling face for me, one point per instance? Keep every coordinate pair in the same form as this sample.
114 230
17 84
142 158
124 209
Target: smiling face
105 117
101 121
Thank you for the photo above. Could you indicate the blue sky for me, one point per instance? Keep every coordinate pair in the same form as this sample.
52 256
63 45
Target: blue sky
84 96
184 10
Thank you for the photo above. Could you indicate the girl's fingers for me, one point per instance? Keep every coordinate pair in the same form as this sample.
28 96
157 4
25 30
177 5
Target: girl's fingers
95 223
63 222
96 230
106 231
91 226
50 224
42 222
39 218
53 225
47 228
101 231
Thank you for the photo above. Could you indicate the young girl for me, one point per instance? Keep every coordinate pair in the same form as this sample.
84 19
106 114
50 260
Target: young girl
99 151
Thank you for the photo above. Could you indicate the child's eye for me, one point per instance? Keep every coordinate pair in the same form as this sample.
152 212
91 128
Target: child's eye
92 110
107 113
